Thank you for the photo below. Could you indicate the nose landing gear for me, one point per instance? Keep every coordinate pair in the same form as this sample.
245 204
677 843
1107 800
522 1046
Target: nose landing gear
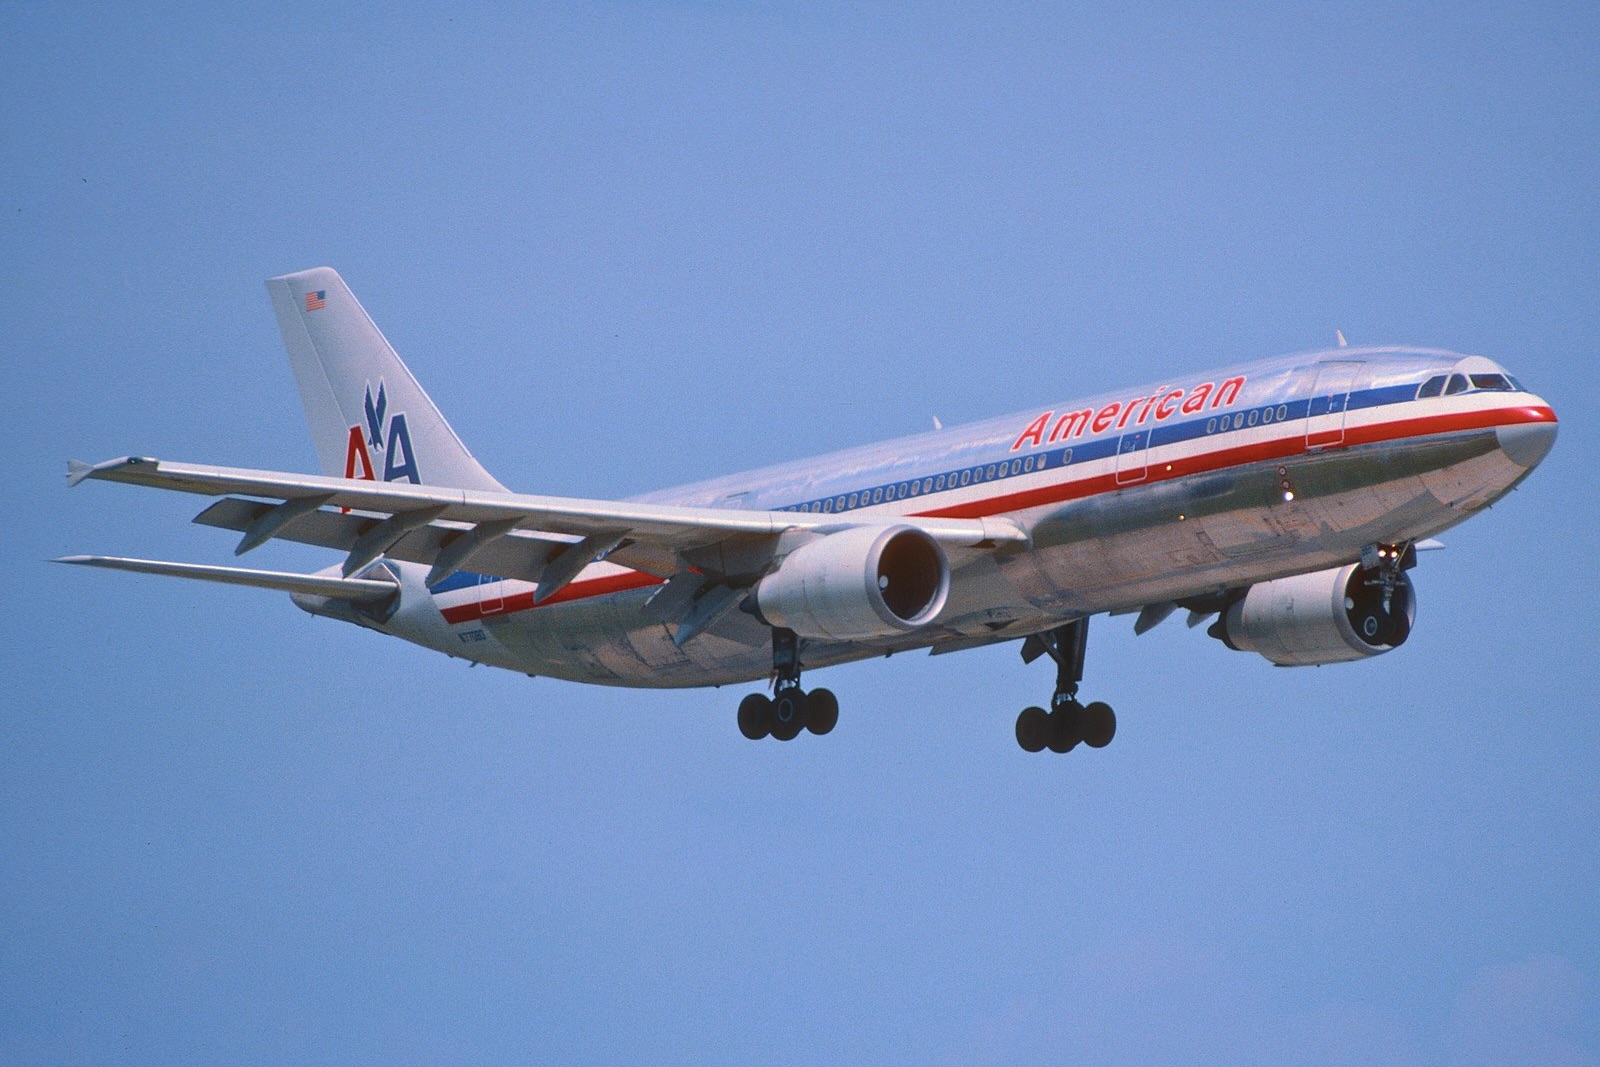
1068 723
790 709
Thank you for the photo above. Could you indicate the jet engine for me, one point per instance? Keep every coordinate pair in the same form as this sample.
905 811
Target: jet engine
857 584
1331 616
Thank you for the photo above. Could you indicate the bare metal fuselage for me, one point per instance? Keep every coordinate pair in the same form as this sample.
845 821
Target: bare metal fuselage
1157 495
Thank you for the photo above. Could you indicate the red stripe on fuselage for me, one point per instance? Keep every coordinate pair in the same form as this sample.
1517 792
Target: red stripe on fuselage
611 583
1183 467
1262 451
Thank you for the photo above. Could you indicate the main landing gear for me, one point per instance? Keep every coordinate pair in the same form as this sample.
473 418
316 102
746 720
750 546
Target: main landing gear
790 709
1067 723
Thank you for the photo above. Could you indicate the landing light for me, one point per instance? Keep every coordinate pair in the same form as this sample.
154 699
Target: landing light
1288 495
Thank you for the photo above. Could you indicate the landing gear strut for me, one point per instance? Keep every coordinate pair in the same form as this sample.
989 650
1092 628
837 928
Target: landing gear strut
1385 613
1067 723
790 709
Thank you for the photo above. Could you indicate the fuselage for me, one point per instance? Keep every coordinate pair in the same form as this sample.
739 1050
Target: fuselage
1178 490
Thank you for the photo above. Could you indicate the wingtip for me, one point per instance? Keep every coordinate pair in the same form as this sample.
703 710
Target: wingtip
78 470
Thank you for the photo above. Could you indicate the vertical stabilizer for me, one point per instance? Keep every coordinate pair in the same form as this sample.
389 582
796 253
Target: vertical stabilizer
368 416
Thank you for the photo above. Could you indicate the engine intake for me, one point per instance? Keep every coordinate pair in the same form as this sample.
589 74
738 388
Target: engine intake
1331 616
857 584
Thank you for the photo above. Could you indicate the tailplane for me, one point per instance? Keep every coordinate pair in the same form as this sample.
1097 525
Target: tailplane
368 416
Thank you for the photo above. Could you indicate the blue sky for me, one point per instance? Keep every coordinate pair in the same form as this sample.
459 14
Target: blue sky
631 245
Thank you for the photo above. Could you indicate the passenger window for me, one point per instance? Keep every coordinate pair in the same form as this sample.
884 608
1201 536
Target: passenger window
1493 382
1432 387
877 496
1457 384
927 484
966 476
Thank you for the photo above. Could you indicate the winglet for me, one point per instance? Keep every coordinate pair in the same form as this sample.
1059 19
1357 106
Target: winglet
78 470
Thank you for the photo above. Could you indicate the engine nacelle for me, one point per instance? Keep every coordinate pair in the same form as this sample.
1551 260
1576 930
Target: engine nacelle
857 584
1331 616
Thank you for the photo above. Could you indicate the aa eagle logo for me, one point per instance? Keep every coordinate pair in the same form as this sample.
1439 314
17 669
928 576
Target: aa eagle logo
385 434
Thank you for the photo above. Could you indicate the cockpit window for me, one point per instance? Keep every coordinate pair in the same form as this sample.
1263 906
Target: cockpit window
1493 382
1432 387
1457 384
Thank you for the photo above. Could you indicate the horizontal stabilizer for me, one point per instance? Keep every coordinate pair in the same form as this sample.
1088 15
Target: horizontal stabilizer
355 589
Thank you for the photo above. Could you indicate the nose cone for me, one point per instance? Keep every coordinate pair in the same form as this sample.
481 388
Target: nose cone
1526 443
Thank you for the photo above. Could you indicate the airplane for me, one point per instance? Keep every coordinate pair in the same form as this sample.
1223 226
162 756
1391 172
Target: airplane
1284 499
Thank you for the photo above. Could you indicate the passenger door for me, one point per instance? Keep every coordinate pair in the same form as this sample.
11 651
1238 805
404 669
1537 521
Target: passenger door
1330 400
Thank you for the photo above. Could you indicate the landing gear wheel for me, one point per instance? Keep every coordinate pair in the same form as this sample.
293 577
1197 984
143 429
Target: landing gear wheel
1033 729
788 714
1099 725
1068 723
1373 627
1066 728
822 711
755 716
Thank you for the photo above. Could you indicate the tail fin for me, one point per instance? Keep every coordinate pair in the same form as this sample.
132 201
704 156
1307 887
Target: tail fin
369 418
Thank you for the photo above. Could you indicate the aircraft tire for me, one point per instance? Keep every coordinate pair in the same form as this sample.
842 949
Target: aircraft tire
1033 729
822 711
1065 728
755 716
1100 725
788 714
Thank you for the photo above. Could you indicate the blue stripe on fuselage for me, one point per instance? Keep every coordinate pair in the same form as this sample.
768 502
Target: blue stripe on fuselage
1101 448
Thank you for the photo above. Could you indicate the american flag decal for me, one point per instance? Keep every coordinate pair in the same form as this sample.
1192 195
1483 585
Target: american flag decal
317 301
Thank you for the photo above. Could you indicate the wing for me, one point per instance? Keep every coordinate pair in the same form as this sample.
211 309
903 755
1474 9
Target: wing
544 539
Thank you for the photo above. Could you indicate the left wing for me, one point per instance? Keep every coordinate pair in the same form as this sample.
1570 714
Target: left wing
545 539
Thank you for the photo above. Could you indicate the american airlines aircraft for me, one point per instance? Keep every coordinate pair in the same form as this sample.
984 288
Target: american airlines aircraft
1286 498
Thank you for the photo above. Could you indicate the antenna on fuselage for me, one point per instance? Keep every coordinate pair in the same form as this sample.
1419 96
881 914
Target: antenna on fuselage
1340 335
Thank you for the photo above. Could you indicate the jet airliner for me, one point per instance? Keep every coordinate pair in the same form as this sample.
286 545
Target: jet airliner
1284 500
